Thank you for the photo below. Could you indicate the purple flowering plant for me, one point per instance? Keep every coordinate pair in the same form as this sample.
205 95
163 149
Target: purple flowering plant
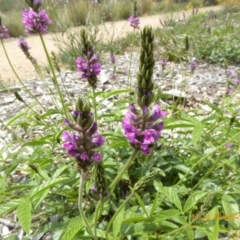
4 33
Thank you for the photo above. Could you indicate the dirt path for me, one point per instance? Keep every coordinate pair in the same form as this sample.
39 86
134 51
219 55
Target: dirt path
25 69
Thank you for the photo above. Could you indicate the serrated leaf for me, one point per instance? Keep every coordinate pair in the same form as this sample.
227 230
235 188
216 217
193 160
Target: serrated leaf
170 193
193 200
117 222
231 210
69 234
24 214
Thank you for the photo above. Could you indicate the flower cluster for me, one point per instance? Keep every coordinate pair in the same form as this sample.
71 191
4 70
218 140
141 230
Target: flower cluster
88 64
89 67
143 131
34 21
83 143
22 43
3 31
134 22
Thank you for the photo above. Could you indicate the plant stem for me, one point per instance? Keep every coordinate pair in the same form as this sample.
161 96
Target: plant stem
116 213
54 75
17 76
123 170
98 213
80 201
94 104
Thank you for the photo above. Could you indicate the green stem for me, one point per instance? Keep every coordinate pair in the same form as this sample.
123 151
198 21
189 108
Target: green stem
208 172
116 213
94 104
80 202
123 170
17 76
98 213
54 75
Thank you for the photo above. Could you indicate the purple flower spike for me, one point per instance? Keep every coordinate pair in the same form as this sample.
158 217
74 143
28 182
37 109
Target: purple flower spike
89 68
140 129
83 143
134 22
35 22
4 32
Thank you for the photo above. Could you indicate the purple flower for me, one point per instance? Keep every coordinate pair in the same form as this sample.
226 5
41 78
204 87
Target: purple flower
4 32
157 113
22 43
230 73
89 68
192 66
134 22
229 145
143 131
35 22
237 81
97 157
82 144
163 63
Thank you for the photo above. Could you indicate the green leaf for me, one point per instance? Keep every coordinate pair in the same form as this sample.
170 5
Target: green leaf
117 222
119 144
170 193
154 206
178 124
193 200
36 143
231 210
135 219
166 214
197 132
112 93
213 224
46 185
141 203
24 214
69 234
14 118
9 206
213 106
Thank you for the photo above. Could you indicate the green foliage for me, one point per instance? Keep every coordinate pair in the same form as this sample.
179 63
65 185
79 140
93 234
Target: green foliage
188 188
212 39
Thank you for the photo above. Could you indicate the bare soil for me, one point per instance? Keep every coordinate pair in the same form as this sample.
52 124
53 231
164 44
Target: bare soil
107 31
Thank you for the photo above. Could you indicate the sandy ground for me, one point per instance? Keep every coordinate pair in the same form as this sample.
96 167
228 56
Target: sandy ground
107 31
